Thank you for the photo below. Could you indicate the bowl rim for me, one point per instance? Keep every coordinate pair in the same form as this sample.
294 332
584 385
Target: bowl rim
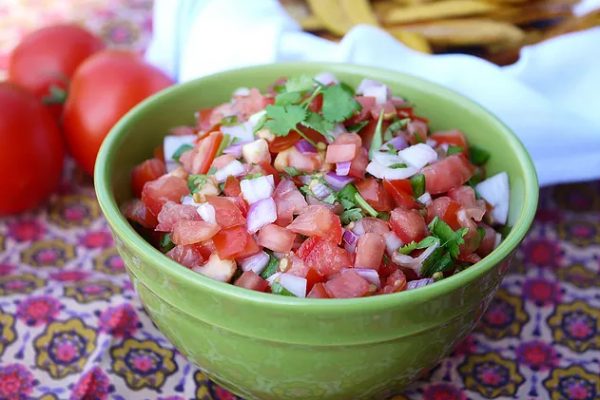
131 239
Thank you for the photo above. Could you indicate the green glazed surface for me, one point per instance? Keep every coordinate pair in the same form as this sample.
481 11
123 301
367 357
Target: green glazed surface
268 347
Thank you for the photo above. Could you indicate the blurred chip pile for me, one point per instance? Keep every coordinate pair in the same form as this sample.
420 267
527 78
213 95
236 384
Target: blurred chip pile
493 29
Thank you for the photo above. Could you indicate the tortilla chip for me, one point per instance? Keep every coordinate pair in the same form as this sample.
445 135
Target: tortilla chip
435 11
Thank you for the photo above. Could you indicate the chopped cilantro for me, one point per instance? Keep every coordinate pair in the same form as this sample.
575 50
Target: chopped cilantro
330 199
352 214
166 243
391 149
338 103
318 123
384 215
398 165
423 244
286 98
480 234
346 196
271 267
478 155
377 140
438 261
477 177
454 150
395 127
276 288
450 239
225 142
300 83
180 150
260 123
364 205
212 171
229 120
196 182
253 175
291 171
358 126
283 119
418 184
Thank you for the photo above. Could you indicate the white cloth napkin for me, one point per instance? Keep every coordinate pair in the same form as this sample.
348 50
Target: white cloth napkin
550 97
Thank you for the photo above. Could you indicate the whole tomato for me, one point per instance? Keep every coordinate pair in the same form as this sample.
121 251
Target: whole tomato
48 58
103 89
31 151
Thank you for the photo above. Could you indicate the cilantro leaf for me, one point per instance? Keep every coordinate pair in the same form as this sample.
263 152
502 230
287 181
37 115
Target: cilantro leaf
180 150
166 243
364 205
398 165
287 98
358 126
478 156
377 140
423 244
352 214
454 150
283 119
439 261
451 240
229 120
346 196
196 182
291 171
318 123
395 127
225 142
300 83
338 104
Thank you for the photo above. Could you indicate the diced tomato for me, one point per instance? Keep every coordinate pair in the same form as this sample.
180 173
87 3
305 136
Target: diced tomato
147 171
368 132
347 284
289 201
172 212
190 232
369 251
349 138
268 169
232 187
446 209
276 238
488 243
389 111
453 137
296 266
316 104
159 153
204 153
396 282
464 195
324 256
250 280
359 164
305 162
318 292
203 118
373 192
340 153
187 255
312 278
373 225
136 211
409 225
246 105
221 161
472 242
366 104
319 221
417 131
234 242
401 192
206 248
448 173
405 112
282 143
227 213
166 188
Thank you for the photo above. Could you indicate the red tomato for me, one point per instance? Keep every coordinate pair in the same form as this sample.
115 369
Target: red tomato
282 143
187 255
396 282
103 89
173 212
276 238
373 192
232 187
319 221
409 225
453 137
347 284
348 138
136 211
166 188
373 225
448 173
401 192
488 242
269 170
316 104
446 209
359 164
324 256
147 171
234 242
250 280
340 153
203 119
31 151
312 278
318 292
289 201
190 232
205 152
48 58
227 213
369 251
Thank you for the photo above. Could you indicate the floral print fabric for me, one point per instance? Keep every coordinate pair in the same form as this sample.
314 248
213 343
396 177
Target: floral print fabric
71 326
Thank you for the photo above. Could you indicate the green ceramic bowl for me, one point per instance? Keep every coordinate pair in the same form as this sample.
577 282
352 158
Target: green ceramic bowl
267 347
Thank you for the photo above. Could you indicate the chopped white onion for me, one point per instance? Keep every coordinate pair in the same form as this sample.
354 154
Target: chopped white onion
254 118
497 240
274 278
418 283
495 190
418 155
414 263
392 242
243 132
172 143
294 284
188 200
256 151
386 159
358 228
381 172
376 89
234 168
261 213
258 188
241 91
369 274
425 198
256 263
326 78
207 213
215 268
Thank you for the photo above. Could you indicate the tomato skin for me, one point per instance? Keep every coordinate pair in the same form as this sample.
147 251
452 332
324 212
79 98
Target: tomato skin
234 242
136 211
250 280
282 143
453 137
228 214
373 192
49 57
347 284
318 292
276 238
446 209
31 151
147 171
324 256
409 225
205 152
448 173
232 187
359 164
401 192
369 251
318 220
166 188
103 89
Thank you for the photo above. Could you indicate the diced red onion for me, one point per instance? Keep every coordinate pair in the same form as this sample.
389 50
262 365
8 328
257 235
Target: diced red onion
343 168
392 242
496 191
255 263
254 118
305 179
369 274
376 89
358 228
319 190
418 283
303 146
207 213
379 171
336 181
261 213
234 150
258 188
398 142
294 284
431 142
243 132
350 241
326 78
234 168
425 198
418 155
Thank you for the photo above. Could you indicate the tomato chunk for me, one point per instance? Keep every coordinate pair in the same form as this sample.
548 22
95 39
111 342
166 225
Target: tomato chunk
409 225
232 187
401 192
340 153
276 238
289 201
359 164
448 173
318 291
187 255
453 137
166 188
347 284
319 221
396 282
136 211
324 256
147 171
369 251
446 209
227 212
173 212
190 232
372 191
234 242
250 280
204 153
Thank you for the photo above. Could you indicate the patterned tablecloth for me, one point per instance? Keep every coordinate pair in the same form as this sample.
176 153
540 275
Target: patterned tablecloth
71 326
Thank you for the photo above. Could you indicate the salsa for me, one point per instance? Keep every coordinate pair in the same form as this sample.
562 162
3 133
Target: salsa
316 189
